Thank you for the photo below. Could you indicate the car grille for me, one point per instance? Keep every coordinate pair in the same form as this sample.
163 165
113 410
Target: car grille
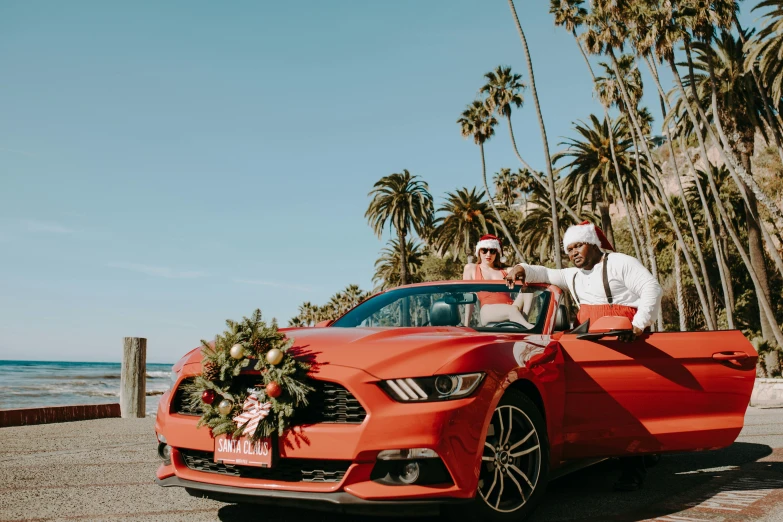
284 470
330 402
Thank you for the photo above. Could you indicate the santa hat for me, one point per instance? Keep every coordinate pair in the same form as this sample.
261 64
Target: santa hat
488 241
586 232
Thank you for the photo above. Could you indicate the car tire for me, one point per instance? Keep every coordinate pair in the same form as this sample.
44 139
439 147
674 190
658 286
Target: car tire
515 464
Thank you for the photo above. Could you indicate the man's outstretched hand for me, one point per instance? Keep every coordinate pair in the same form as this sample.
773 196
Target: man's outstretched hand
631 336
515 273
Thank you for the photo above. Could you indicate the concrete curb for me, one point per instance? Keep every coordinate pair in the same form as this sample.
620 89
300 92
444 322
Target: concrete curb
27 416
767 393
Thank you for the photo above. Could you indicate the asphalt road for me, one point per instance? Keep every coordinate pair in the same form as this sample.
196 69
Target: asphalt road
104 469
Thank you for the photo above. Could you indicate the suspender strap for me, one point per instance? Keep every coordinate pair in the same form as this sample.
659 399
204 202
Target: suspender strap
607 290
606 279
573 285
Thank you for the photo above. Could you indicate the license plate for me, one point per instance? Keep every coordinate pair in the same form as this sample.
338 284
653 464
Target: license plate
243 452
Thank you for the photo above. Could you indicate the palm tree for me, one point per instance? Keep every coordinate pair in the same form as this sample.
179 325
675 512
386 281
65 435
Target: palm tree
506 186
643 48
741 110
525 184
477 122
767 72
608 95
669 30
547 159
503 92
387 267
729 194
767 48
404 202
676 29
738 107
589 164
608 87
570 14
663 239
536 227
464 217
353 295
605 32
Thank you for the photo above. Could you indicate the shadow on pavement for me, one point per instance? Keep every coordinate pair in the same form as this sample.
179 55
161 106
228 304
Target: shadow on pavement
677 483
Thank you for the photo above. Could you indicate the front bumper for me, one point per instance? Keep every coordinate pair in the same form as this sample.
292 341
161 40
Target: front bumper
454 429
338 501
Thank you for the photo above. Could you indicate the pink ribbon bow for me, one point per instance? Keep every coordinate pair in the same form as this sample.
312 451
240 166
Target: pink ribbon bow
253 412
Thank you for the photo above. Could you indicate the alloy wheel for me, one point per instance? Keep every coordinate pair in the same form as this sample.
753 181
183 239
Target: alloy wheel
511 461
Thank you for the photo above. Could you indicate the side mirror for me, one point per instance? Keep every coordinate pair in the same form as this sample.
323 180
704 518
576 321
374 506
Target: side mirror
322 324
609 326
561 319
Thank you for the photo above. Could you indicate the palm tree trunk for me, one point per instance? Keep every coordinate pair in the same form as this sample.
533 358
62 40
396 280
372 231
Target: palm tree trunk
696 243
645 215
678 282
547 159
716 195
764 98
403 257
722 144
756 252
509 237
631 223
725 279
405 314
646 228
724 263
751 205
606 221
666 108
635 233
659 186
535 175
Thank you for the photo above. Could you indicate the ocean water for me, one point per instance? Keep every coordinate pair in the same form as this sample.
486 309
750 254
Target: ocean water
32 384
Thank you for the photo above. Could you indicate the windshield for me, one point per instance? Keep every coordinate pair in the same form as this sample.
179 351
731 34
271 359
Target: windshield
476 305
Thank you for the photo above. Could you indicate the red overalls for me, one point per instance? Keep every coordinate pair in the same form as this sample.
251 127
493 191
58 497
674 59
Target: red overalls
596 311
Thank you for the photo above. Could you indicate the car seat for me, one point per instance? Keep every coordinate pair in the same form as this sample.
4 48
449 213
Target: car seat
443 313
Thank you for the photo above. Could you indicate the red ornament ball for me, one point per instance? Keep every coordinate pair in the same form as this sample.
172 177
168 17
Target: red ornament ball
273 390
208 396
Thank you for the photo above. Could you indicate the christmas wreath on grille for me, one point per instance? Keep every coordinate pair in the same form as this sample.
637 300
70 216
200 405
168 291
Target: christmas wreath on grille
251 412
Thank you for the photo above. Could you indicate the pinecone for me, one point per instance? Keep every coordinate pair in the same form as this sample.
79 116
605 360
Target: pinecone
260 346
211 371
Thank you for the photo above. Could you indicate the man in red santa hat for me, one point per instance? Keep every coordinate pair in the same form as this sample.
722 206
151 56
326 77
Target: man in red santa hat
602 284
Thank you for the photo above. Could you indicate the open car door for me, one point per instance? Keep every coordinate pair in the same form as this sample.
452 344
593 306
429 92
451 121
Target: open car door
668 391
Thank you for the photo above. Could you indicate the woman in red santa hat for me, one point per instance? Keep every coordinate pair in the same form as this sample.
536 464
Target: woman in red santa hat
602 282
495 306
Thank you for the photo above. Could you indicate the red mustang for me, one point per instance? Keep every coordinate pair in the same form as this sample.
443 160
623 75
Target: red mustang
416 410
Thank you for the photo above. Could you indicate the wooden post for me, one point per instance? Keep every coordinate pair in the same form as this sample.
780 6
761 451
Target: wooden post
133 378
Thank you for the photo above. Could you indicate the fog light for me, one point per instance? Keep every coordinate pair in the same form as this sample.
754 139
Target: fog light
164 452
410 473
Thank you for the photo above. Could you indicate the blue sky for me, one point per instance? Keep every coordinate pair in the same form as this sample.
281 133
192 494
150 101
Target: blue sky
165 166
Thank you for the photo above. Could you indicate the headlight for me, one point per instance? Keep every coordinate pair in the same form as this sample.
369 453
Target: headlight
428 389
173 376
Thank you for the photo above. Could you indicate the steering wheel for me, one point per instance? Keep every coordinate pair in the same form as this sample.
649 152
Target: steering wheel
504 324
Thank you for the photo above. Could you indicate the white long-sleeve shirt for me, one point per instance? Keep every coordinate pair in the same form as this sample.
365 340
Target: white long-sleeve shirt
629 282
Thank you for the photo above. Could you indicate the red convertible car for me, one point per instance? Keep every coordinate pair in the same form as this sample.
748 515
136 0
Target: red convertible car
419 406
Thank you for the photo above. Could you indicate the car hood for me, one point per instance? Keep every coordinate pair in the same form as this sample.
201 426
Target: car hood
385 353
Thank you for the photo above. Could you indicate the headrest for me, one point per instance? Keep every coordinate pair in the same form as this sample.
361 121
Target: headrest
443 313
